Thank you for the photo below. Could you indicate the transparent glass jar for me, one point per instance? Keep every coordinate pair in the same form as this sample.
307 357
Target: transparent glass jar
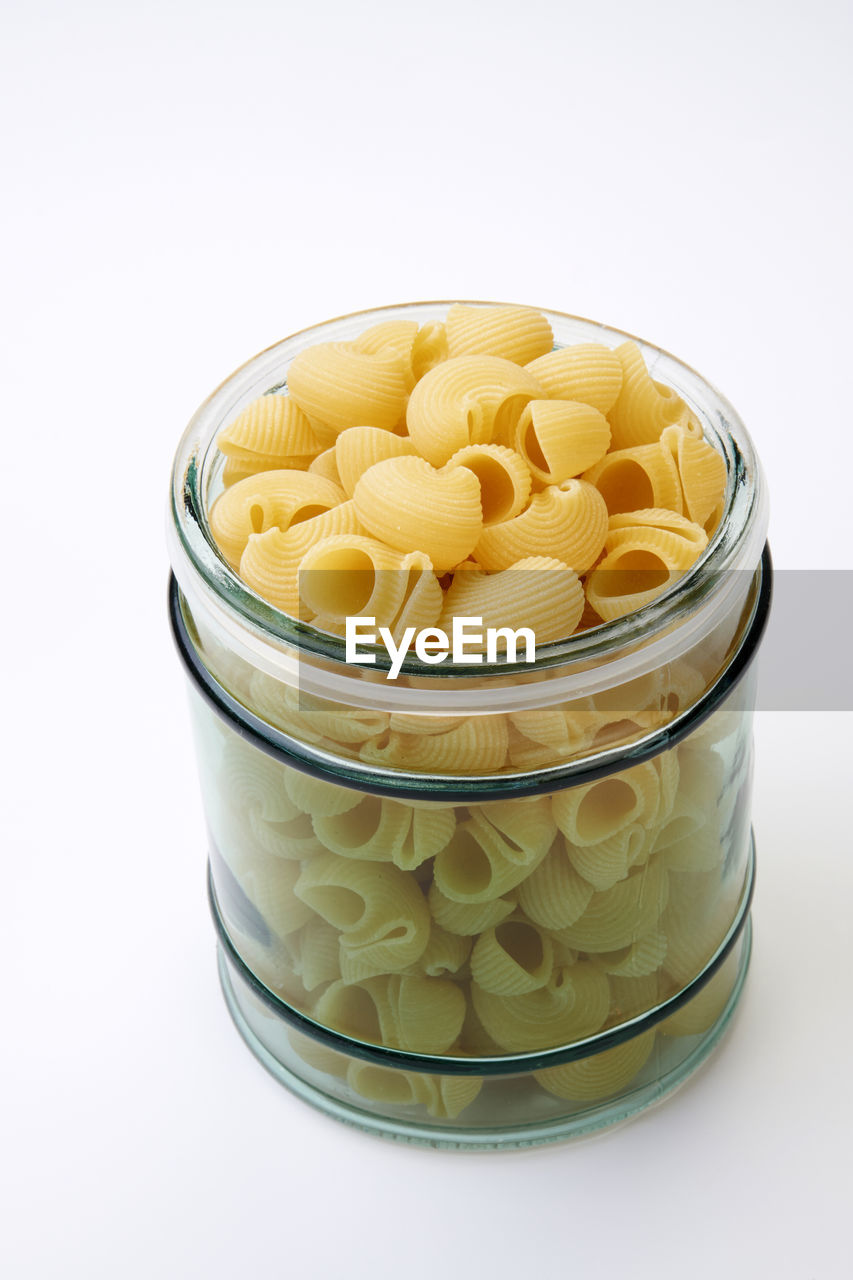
478 907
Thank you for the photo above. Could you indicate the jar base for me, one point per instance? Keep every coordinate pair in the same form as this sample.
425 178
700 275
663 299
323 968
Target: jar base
646 1090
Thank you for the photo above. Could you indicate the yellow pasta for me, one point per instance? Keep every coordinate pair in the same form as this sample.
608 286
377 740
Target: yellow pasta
319 798
374 830
270 886
503 477
348 575
512 958
542 594
554 895
519 334
429 347
569 519
270 563
587 372
573 1004
428 1012
337 386
637 478
326 465
597 811
702 471
413 507
606 863
273 429
560 439
467 400
359 448
643 407
634 574
482 738
430 831
479 864
445 952
621 915
600 1075
467 919
270 500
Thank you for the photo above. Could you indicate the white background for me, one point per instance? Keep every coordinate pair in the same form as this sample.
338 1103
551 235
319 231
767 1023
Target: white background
185 184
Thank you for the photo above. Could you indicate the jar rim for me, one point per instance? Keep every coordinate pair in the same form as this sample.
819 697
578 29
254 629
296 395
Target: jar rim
205 576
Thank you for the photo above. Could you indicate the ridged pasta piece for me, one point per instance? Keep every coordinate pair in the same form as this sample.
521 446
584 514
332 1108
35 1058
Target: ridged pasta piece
503 478
669 772
680 540
318 1056
479 864
270 500
381 912
388 1085
560 439
270 887
349 575
526 826
700 1013
643 957
274 428
445 952
253 464
551 727
512 958
633 575
479 743
606 863
637 479
430 831
397 336
701 469
632 996
694 930
319 954
326 465
429 347
312 719
520 334
467 400
574 1004
413 507
467 918
643 407
317 797
374 830
623 914
601 1074
359 448
360 1010
554 895
587 372
338 386
597 811
428 1012
270 563
537 592
252 780
292 838
569 520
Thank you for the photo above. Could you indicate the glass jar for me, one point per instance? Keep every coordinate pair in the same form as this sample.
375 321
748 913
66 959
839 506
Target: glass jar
478 907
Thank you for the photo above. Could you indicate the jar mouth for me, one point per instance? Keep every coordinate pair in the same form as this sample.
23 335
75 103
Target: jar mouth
199 565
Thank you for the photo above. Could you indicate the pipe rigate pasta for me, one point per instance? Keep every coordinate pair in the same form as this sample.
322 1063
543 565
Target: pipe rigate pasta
621 915
519 334
538 592
482 738
601 1075
467 919
643 407
359 448
337 386
503 477
512 958
596 811
569 519
374 830
554 895
272 429
573 1004
270 562
701 470
326 465
270 500
637 478
560 439
588 372
411 506
606 863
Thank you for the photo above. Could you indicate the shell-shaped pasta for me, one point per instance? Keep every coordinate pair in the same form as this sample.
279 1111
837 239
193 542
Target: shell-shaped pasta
271 427
381 912
317 797
520 334
701 850
588 372
269 885
429 1012
429 347
374 830
633 575
551 727
351 576
455 1093
326 465
560 439
252 780
623 914
270 563
445 952
643 407
643 957
388 1085
430 830
467 400
359 448
479 864
702 471
537 592
411 506
684 540
597 811
554 895
601 1074
467 919
311 719
637 479
700 1013
569 520
503 478
608 862
270 500
293 839
478 744
318 1056
337 385
360 1010
319 954
572 1005
526 827
390 335
512 958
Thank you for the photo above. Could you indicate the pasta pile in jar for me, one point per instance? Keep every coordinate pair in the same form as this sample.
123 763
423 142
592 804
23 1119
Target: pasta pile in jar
461 454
